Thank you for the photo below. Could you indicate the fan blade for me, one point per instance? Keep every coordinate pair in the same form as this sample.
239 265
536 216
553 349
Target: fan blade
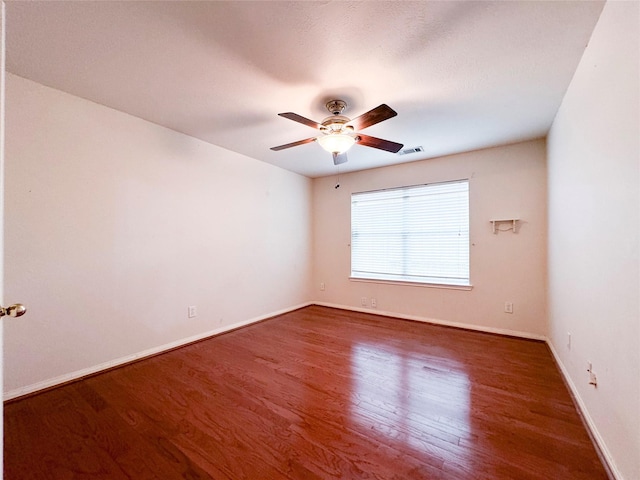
377 115
300 119
379 143
339 158
293 144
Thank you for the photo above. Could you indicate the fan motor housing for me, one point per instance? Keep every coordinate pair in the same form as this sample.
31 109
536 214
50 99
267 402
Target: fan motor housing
335 124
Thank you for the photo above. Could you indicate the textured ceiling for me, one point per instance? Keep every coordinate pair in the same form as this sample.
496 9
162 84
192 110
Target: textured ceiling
461 75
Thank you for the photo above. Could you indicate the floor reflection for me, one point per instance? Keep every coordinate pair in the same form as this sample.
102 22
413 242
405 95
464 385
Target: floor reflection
418 399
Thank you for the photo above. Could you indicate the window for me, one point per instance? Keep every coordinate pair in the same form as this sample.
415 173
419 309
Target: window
412 234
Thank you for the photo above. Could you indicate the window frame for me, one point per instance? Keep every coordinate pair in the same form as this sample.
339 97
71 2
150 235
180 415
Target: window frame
434 282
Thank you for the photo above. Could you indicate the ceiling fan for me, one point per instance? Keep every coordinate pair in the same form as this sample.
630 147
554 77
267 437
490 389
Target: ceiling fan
338 133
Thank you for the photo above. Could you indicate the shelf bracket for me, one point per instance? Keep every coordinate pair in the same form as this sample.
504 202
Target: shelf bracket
512 221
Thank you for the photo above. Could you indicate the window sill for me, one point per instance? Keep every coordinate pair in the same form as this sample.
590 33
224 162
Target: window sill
412 284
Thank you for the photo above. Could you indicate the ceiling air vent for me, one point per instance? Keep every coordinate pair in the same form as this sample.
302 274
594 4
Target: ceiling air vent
409 151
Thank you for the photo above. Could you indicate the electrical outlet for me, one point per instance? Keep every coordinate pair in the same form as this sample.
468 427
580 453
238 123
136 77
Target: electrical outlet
363 301
191 311
508 307
322 286
374 303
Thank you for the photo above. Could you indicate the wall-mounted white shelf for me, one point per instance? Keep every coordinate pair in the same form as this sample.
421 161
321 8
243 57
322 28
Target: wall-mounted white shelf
495 224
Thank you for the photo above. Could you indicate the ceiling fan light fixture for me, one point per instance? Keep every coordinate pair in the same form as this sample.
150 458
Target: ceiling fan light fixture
336 142
338 133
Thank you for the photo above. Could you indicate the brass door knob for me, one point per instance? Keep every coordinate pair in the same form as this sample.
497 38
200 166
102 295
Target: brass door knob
16 310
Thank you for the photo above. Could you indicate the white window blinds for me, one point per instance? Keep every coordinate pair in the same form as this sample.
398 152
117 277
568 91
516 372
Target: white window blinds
412 234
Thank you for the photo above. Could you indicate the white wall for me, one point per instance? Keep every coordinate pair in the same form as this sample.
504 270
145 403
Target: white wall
505 182
594 241
115 225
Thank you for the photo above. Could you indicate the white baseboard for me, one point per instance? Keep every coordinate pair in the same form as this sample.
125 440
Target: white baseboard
417 318
600 445
62 379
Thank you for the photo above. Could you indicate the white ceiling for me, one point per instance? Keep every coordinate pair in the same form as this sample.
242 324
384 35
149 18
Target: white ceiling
461 75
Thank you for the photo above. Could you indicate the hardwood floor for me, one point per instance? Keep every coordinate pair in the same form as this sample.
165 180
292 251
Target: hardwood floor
318 393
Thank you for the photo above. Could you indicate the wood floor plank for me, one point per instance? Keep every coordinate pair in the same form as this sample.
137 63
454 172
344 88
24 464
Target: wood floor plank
318 393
